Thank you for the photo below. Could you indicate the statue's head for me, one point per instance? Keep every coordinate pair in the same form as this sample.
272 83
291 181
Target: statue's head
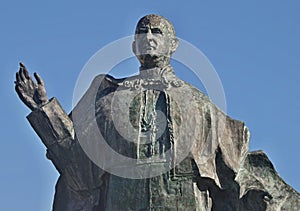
155 41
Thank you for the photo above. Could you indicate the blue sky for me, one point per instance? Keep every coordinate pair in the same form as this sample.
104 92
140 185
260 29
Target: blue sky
253 46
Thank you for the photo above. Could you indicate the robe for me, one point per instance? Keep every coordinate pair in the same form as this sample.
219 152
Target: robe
147 142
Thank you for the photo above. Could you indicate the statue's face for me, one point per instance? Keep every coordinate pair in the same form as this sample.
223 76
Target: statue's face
154 37
151 39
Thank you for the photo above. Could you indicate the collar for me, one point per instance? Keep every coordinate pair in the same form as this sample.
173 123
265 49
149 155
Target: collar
157 72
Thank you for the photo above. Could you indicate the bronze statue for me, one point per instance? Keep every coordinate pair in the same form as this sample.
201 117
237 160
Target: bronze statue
208 177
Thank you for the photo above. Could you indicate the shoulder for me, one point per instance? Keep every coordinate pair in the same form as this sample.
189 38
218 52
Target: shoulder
103 81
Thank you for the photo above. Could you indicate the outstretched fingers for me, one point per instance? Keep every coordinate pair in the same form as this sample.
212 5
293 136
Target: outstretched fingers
33 94
23 72
18 78
22 76
22 66
38 78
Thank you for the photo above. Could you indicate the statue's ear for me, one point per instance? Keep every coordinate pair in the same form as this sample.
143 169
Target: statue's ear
174 44
134 47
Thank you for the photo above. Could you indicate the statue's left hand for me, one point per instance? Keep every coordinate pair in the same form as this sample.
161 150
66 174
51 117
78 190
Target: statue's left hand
32 94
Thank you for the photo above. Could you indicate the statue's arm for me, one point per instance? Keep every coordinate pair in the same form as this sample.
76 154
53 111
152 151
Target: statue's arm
55 128
52 125
47 118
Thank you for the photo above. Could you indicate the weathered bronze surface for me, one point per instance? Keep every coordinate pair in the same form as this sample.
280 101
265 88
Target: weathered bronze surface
218 173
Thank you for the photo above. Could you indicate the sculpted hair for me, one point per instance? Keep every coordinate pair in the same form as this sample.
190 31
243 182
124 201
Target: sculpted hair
157 21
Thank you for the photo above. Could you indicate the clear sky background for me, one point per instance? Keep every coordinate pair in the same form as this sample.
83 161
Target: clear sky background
253 45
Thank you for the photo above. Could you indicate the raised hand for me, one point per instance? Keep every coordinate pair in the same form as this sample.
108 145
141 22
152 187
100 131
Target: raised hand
32 94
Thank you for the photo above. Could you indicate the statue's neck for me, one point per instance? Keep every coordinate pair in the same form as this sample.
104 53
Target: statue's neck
160 64
156 72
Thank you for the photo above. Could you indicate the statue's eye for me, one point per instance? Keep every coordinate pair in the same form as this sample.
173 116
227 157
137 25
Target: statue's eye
156 31
142 30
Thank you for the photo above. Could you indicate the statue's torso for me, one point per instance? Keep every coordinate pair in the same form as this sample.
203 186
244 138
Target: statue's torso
149 116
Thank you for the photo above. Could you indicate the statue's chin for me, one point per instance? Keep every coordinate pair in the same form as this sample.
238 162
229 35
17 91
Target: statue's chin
153 60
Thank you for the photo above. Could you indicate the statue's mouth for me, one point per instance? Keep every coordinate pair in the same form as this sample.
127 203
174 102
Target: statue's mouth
150 48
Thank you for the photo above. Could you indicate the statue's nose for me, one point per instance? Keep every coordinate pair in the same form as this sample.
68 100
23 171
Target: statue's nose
149 35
